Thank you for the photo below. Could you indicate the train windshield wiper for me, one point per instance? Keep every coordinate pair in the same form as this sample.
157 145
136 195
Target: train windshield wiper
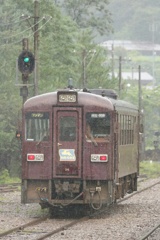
93 141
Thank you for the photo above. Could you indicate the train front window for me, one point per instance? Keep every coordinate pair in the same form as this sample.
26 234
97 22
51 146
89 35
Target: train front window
67 128
37 126
98 125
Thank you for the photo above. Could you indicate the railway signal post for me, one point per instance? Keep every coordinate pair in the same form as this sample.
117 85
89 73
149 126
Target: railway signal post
26 64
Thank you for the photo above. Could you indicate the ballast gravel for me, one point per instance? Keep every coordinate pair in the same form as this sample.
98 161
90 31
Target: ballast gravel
128 220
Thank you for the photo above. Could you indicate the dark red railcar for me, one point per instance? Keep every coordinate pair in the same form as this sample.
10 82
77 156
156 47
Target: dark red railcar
78 148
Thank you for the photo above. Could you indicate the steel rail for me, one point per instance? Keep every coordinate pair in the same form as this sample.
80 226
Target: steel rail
137 192
10 187
150 232
21 227
63 228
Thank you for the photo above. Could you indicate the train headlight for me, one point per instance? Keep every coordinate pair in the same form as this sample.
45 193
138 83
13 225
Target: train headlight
99 158
35 157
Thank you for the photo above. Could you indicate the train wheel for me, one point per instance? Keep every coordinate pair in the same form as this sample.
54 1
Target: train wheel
135 183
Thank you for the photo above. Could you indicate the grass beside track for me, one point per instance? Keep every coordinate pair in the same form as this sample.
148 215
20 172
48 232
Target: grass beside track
151 169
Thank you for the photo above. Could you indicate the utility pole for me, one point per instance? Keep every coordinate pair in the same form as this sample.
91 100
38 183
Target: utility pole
36 44
84 68
120 76
141 119
139 90
120 59
153 28
35 30
140 114
113 76
24 88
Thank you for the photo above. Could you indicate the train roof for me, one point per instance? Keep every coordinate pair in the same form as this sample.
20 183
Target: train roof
112 95
101 98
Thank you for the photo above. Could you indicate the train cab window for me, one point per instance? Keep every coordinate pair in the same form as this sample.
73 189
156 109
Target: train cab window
67 129
37 126
97 126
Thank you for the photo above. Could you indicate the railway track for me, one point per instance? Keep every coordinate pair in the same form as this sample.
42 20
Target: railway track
11 187
22 228
154 229
43 234
138 192
151 233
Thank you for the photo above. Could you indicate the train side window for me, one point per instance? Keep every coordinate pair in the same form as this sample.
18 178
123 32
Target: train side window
67 129
97 125
37 126
127 129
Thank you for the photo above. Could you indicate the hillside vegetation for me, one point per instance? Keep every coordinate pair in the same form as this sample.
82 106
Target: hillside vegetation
136 20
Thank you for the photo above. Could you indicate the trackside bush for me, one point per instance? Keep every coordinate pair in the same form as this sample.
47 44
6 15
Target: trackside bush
150 168
5 177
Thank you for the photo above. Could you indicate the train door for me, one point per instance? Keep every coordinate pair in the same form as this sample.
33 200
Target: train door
67 142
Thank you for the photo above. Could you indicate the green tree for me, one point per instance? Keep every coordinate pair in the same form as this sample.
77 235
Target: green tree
92 14
62 55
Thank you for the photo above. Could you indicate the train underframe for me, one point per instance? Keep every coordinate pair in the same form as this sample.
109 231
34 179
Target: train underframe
65 193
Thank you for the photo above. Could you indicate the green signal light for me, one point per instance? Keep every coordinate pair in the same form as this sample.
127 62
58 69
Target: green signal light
26 62
26 59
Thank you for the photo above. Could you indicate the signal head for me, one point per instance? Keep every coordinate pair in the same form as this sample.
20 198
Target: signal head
26 62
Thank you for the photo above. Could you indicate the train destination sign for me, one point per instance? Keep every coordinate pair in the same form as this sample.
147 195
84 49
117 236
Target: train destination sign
70 97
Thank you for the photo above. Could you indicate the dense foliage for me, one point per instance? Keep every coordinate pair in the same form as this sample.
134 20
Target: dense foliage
92 14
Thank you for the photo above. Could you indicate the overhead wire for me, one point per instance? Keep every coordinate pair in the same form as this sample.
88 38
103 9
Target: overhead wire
40 27
11 23
8 44
14 35
43 24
